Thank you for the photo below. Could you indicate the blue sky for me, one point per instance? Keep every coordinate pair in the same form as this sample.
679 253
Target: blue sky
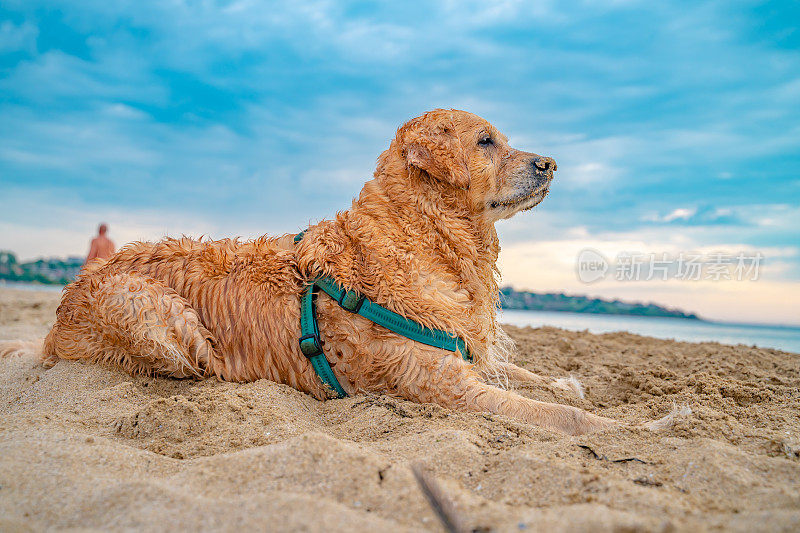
676 126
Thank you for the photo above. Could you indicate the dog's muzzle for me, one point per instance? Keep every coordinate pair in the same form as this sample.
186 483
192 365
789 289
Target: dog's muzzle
533 183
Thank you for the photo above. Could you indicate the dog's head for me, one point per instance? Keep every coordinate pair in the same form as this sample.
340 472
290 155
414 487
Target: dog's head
463 152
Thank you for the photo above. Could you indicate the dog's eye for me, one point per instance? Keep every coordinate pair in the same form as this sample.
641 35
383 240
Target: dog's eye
486 141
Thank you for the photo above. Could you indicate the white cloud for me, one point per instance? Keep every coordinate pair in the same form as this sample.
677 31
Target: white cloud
15 38
680 213
588 174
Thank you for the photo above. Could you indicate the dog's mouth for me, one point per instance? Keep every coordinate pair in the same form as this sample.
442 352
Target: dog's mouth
521 202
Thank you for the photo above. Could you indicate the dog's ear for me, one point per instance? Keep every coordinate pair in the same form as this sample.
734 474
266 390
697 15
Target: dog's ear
436 149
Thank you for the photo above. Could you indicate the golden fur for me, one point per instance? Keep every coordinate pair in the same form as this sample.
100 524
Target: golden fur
419 240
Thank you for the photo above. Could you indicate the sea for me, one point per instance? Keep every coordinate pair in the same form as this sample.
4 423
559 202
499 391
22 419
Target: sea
786 338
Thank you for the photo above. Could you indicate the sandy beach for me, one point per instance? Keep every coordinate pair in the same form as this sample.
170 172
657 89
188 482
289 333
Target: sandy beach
94 448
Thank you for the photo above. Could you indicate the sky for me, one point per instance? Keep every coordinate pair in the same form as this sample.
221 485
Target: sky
676 126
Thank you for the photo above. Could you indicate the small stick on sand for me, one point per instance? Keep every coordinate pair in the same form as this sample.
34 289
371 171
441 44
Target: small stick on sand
441 504
604 458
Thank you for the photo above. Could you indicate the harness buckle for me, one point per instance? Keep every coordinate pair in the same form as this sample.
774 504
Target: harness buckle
351 301
311 345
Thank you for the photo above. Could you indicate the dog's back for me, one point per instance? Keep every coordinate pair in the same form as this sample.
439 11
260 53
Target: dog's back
186 307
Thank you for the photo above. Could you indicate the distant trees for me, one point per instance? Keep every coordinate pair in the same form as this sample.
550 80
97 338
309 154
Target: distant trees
512 299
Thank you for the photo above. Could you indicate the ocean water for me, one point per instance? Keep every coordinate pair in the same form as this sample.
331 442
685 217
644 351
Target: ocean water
31 286
785 338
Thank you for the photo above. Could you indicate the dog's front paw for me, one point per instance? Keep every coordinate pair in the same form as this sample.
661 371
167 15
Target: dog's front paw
570 384
669 421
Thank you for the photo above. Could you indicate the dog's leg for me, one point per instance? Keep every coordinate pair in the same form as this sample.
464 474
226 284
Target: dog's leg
517 373
448 381
133 322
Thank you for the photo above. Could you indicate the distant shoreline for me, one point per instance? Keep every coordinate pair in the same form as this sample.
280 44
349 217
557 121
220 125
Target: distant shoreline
511 298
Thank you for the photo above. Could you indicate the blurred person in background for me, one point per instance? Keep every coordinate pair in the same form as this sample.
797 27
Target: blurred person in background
102 246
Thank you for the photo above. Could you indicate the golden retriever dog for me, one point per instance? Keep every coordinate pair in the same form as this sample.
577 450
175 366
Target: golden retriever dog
420 240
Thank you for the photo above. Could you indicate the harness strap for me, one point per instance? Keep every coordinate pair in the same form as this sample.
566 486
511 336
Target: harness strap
311 345
357 303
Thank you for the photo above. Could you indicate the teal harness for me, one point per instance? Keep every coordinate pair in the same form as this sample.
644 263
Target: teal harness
311 345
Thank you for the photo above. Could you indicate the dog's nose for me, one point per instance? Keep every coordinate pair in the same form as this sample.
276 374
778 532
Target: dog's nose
545 163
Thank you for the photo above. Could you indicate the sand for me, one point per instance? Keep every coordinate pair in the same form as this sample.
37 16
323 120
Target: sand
88 447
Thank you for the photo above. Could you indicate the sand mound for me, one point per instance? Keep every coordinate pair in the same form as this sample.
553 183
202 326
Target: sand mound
85 446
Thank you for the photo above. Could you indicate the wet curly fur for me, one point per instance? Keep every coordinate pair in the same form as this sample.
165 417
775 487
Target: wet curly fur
419 240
